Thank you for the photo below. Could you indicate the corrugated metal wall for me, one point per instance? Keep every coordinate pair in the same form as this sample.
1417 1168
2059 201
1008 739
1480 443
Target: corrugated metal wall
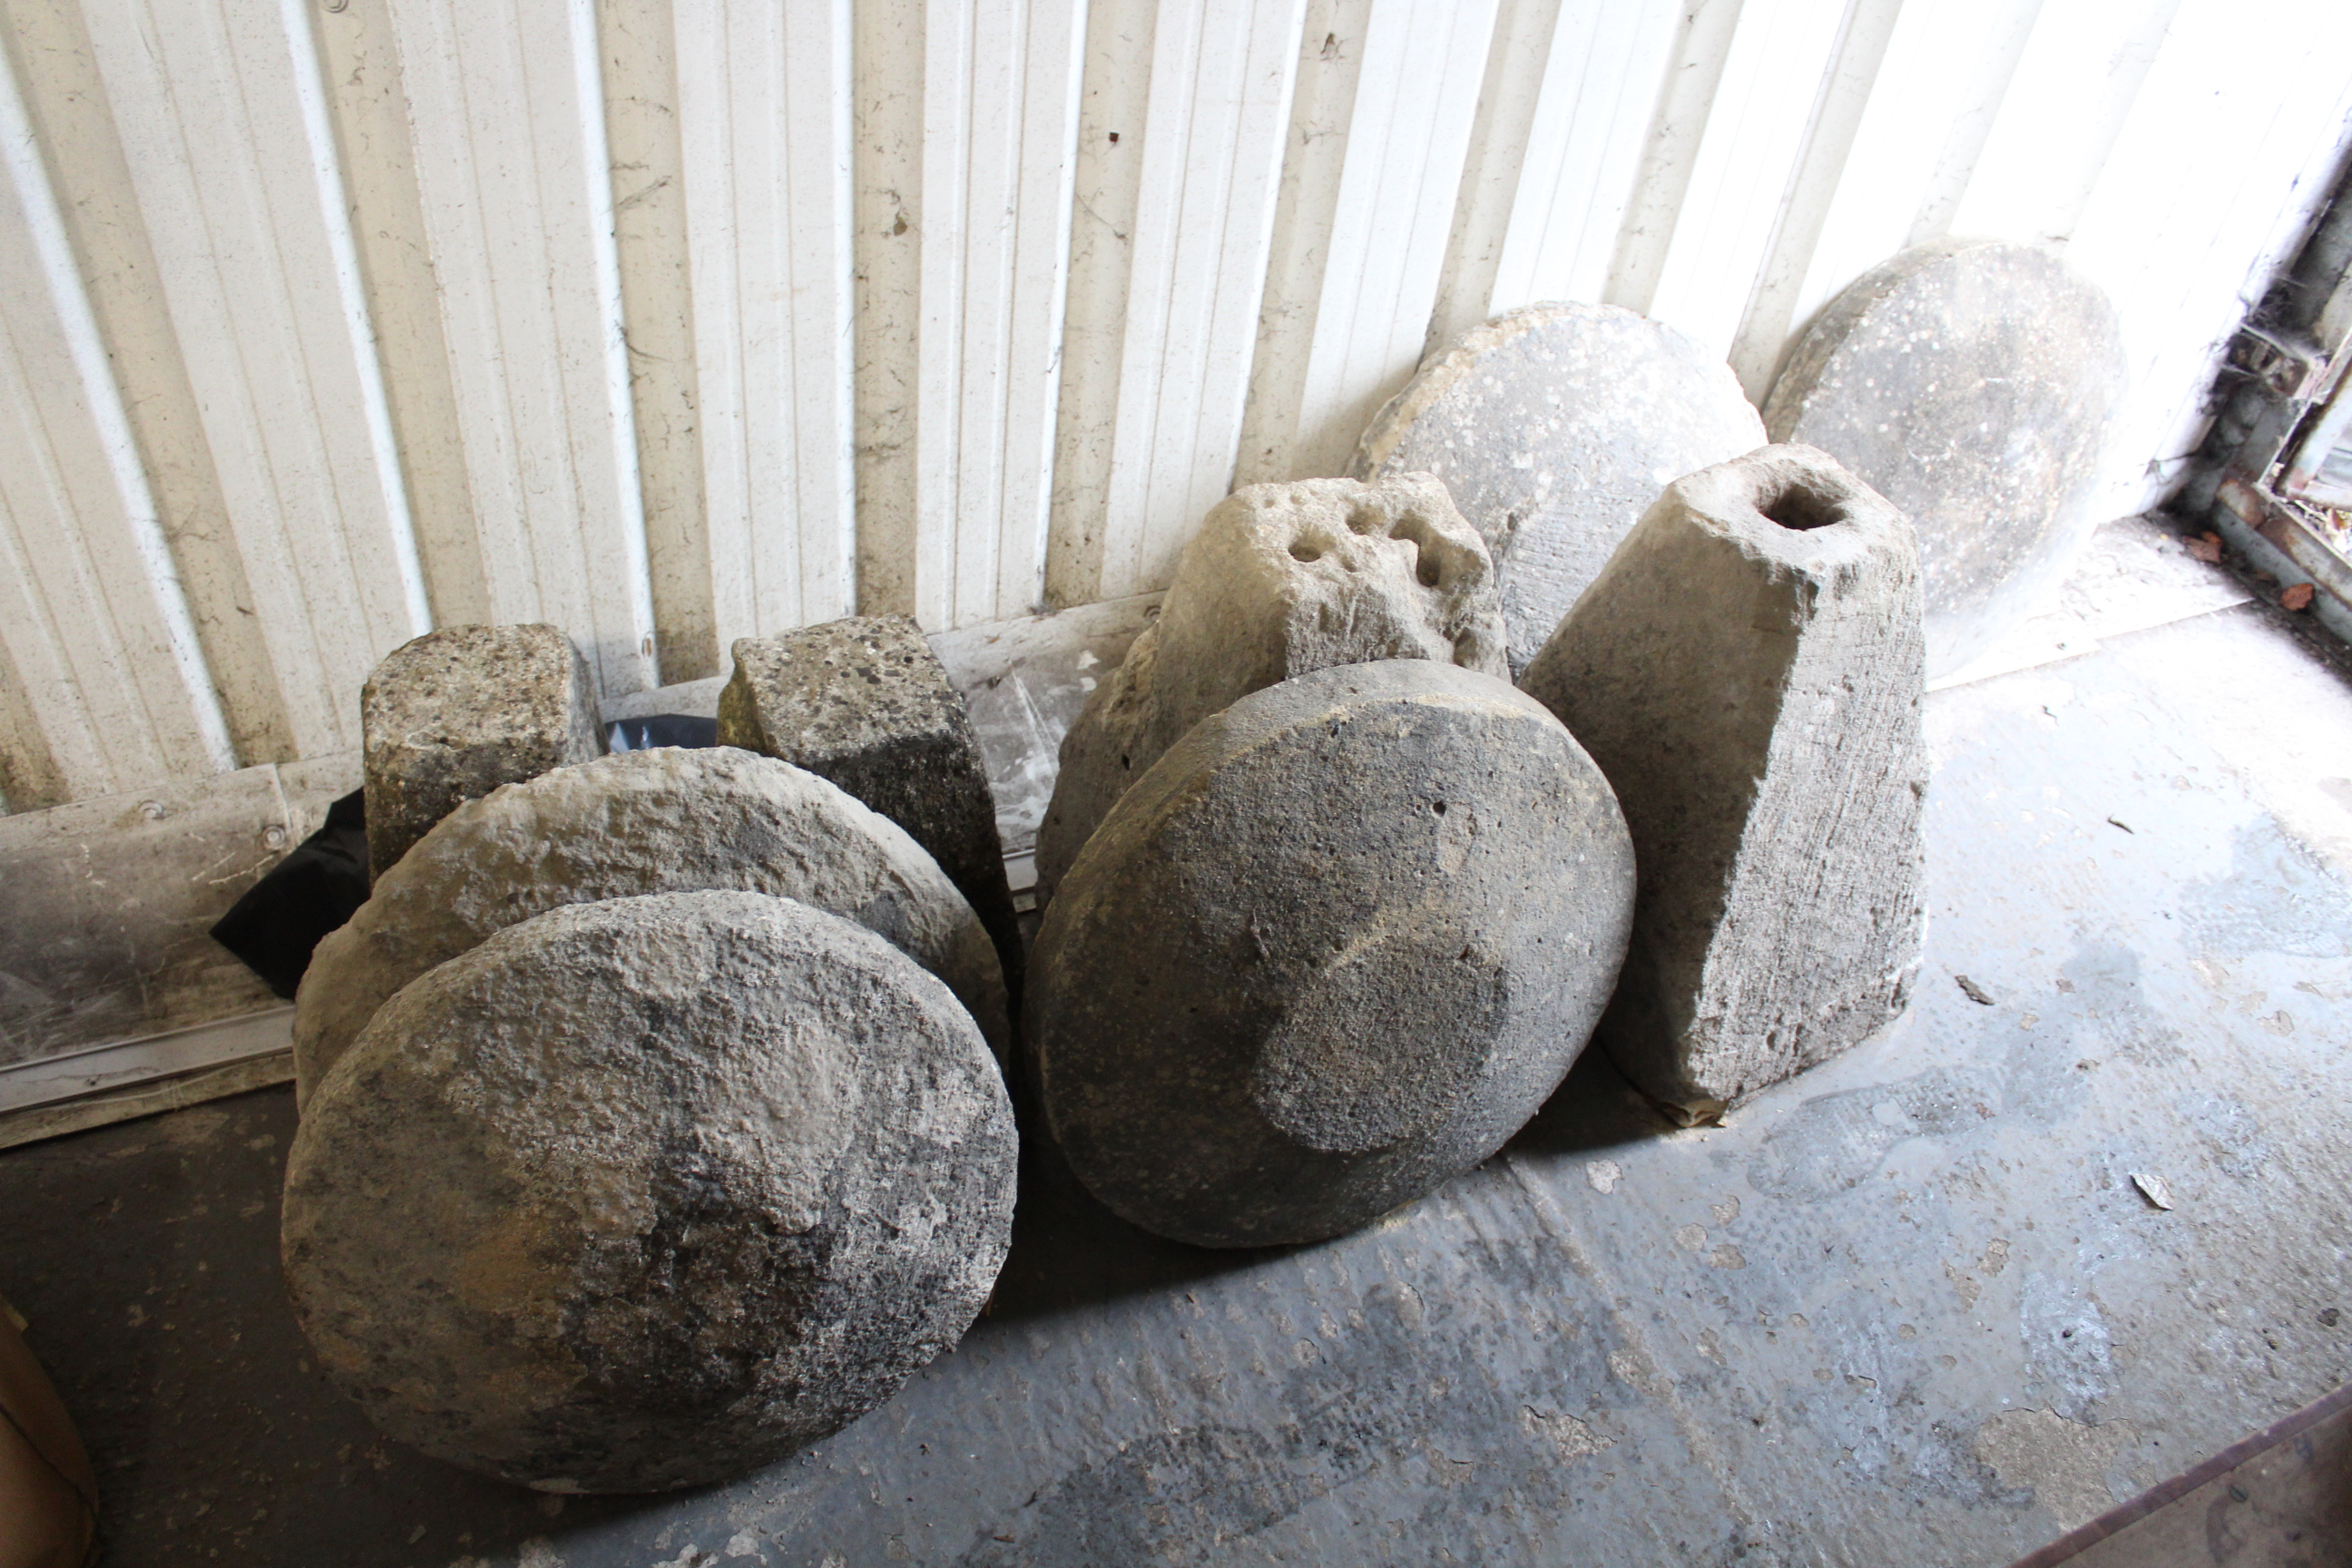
323 322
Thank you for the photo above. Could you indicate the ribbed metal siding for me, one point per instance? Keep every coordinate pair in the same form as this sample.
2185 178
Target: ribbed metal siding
674 320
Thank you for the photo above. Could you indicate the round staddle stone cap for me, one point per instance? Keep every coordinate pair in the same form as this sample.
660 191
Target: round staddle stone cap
667 820
1335 947
643 1194
1970 382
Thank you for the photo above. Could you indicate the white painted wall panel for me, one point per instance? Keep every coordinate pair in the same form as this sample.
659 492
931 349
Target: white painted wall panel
1584 147
668 321
763 111
2205 192
224 127
2074 87
1357 338
1755 130
109 686
67 101
1925 97
967 127
506 111
1176 218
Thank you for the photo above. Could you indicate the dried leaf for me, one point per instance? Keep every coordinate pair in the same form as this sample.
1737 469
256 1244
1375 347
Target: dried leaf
2297 598
1974 992
2206 547
2153 1188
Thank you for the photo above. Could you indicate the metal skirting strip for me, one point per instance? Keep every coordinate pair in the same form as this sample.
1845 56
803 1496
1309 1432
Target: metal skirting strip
56 1095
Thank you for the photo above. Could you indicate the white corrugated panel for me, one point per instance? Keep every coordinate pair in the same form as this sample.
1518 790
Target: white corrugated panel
671 321
1179 159
106 685
507 110
763 117
225 128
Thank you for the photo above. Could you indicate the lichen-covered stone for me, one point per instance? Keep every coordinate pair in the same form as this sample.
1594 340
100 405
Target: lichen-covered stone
456 713
1282 579
643 1194
1970 382
1747 672
1335 947
864 702
660 821
1555 427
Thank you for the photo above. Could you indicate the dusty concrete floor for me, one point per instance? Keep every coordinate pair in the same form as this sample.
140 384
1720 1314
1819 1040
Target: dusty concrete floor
1909 1309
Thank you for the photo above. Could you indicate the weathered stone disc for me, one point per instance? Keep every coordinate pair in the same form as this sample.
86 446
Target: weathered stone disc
1555 427
1335 947
1969 382
643 1194
660 821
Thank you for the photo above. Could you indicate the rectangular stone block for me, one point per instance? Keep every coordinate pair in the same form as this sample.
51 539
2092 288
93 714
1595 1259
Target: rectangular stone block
461 711
866 704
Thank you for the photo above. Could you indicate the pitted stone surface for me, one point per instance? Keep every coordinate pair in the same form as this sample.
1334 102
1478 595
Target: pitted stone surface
660 821
1555 427
1281 580
461 711
1335 947
864 702
1969 382
643 1194
1747 672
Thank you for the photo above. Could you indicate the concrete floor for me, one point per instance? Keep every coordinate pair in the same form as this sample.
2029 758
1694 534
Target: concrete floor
1910 1309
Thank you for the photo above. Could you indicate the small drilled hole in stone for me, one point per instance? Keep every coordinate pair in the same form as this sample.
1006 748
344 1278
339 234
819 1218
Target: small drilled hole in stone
1797 509
1302 551
1438 806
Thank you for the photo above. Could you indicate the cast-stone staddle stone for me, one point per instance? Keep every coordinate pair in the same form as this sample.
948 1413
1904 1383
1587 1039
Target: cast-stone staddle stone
660 821
1281 579
864 702
1969 382
1555 427
1333 949
643 1194
459 711
1747 672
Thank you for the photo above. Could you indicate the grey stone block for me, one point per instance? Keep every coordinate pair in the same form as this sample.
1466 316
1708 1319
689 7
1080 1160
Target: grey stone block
643 1194
456 713
660 821
1555 427
864 702
1281 579
1747 672
1970 382
1335 947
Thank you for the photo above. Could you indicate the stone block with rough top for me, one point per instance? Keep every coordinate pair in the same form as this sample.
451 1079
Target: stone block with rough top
1555 427
1747 671
1970 382
1333 948
644 1193
456 713
660 821
1282 579
866 704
